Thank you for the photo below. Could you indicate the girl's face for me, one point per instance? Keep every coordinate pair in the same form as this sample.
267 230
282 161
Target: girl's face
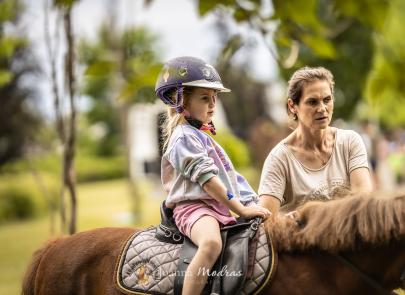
315 108
201 104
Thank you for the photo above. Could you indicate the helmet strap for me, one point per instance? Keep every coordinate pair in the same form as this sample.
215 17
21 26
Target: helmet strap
179 100
200 126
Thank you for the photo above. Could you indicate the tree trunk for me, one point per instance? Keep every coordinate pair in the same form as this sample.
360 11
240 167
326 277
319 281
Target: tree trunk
60 125
69 156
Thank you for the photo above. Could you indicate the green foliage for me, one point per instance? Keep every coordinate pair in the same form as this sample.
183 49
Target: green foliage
65 3
16 203
385 86
90 168
21 196
337 34
19 123
397 163
205 7
236 149
9 10
119 64
354 48
5 77
121 68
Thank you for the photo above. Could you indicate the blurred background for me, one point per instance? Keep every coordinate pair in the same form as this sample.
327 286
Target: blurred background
79 122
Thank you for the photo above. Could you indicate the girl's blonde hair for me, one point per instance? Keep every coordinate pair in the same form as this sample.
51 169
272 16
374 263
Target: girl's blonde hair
173 118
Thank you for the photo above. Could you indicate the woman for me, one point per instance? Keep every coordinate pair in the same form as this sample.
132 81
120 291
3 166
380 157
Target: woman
316 161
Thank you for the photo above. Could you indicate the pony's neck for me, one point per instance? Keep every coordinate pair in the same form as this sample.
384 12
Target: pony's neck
384 264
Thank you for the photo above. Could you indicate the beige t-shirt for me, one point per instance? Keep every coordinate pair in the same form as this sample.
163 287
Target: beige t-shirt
287 179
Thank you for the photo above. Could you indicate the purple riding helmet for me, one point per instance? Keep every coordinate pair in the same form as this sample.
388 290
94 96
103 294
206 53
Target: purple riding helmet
186 71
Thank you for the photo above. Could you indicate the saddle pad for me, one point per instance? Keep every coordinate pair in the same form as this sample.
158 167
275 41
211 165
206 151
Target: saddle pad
148 266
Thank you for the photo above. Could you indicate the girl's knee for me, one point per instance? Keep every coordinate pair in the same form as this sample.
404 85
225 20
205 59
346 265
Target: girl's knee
211 248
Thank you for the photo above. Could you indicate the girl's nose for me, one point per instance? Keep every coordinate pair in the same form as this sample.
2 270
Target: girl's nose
213 100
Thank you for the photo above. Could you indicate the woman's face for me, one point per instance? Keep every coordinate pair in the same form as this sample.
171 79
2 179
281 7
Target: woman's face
315 108
201 104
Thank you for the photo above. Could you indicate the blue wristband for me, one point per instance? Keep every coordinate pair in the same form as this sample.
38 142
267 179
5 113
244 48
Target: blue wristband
230 196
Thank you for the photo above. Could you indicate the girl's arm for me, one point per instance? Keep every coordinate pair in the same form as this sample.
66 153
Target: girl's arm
216 189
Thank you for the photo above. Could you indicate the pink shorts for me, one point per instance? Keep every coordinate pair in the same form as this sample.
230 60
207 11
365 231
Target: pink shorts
187 213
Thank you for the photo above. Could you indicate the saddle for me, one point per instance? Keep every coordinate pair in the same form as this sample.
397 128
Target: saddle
235 263
167 230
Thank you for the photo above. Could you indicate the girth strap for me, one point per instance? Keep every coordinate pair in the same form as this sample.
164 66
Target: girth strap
365 277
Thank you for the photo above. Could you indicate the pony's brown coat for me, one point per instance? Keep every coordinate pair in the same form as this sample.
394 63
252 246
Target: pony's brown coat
28 286
84 263
339 225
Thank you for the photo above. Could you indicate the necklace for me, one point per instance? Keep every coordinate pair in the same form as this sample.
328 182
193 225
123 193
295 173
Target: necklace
318 155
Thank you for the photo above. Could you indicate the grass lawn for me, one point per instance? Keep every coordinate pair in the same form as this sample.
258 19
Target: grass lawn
100 204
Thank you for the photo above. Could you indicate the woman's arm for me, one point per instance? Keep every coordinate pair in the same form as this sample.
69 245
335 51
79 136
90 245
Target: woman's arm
216 189
360 180
271 203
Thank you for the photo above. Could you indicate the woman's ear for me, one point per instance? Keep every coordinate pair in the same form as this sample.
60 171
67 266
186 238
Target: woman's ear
291 106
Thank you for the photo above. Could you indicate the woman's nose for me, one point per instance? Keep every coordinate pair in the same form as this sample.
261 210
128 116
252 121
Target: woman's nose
322 106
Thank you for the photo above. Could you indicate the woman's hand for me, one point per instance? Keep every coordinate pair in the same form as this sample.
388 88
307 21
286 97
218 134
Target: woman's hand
253 211
294 215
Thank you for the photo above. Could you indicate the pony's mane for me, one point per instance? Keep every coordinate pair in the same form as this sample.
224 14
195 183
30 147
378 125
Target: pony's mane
341 224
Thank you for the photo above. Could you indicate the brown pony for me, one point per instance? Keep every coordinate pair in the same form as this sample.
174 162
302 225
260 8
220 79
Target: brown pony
368 230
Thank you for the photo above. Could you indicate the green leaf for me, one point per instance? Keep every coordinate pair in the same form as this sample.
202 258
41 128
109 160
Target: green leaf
5 77
101 68
206 6
302 13
241 15
138 81
65 3
8 46
321 46
230 48
370 12
9 10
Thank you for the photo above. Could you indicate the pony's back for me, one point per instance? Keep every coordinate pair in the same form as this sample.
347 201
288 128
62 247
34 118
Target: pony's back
28 284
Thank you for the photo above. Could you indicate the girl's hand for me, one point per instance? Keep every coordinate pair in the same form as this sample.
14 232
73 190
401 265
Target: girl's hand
255 210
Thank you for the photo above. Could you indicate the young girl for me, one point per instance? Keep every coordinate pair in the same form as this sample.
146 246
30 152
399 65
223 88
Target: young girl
200 180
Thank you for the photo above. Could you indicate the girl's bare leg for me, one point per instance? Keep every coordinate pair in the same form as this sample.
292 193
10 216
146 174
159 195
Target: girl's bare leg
205 233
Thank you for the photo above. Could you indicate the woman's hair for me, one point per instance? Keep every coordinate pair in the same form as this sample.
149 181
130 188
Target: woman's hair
173 118
303 77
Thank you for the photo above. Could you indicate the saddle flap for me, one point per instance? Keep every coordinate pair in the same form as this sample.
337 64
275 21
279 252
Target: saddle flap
149 266
231 269
235 261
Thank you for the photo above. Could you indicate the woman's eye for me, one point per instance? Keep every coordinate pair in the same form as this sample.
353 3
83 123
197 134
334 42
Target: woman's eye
312 102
